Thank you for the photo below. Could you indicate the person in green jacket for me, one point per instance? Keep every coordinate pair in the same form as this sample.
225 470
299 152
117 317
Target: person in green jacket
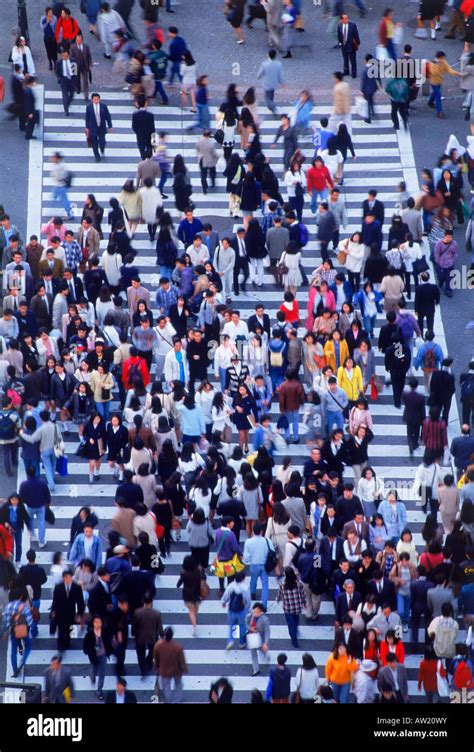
398 91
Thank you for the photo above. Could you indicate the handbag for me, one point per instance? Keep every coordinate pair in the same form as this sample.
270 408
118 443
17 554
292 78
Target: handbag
61 466
204 590
219 136
254 641
420 265
272 558
362 107
282 267
341 257
441 683
159 529
81 451
106 393
58 447
19 629
49 515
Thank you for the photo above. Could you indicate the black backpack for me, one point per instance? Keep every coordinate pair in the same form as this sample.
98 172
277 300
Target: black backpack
236 602
298 552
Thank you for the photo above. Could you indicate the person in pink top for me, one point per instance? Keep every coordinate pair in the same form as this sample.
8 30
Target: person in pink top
55 227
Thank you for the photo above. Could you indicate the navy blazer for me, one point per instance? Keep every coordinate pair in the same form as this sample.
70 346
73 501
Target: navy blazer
325 552
388 593
341 605
143 125
353 39
91 122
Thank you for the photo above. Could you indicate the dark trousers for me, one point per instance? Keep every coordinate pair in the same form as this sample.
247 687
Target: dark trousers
297 203
398 385
145 657
152 231
335 239
354 280
98 142
413 435
68 87
324 249
240 264
201 556
144 147
165 542
10 456
30 124
205 171
159 89
399 107
64 637
147 356
222 582
349 58
429 321
444 279
120 651
51 47
467 412
370 101
83 78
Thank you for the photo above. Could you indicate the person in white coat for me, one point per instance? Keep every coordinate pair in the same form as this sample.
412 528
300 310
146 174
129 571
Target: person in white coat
365 688
176 364
224 262
111 263
355 252
108 22
21 55
291 259
165 334
151 202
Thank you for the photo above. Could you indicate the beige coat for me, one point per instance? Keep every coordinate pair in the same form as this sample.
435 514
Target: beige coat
99 382
122 523
393 288
341 98
132 203
448 497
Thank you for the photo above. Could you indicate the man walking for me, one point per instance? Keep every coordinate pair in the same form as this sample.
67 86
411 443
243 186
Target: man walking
256 551
66 72
98 122
446 252
67 608
143 125
170 665
147 626
81 53
398 91
271 75
413 414
58 684
349 42
61 182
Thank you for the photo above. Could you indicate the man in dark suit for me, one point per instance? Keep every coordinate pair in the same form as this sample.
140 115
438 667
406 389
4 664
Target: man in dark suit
372 205
347 506
329 520
347 601
143 125
241 259
383 589
67 609
386 676
388 331
82 54
331 551
419 602
41 305
121 695
346 635
397 363
413 414
334 452
349 42
135 584
66 72
462 449
100 597
147 627
57 682
427 297
31 112
75 286
98 123
179 316
442 388
259 318
358 526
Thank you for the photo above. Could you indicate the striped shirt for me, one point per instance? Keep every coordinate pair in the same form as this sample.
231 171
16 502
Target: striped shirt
434 435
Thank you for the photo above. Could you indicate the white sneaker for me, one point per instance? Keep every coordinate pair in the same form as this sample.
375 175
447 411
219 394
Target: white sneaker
229 645
42 545
433 34
438 26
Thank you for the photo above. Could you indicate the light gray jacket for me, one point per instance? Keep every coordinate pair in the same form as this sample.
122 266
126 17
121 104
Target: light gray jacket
45 434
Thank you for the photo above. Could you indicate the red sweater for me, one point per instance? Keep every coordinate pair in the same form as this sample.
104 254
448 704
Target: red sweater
69 27
427 675
385 649
142 367
317 179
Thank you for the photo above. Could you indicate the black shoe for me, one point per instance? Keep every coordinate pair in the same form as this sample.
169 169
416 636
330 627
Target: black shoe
107 57
431 104
288 54
170 11
97 158
100 695
163 195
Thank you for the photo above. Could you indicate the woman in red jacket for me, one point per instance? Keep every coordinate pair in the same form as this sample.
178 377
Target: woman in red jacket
6 543
67 27
372 651
392 644
318 182
427 675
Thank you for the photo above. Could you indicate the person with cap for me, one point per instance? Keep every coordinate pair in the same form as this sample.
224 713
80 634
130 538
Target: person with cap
121 695
58 683
364 686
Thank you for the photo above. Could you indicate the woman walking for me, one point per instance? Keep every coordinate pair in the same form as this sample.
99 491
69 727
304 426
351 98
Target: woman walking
193 580
292 595
245 415
97 648
200 536
340 668
95 439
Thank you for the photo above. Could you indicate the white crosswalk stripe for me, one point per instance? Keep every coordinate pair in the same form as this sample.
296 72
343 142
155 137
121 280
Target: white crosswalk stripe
378 165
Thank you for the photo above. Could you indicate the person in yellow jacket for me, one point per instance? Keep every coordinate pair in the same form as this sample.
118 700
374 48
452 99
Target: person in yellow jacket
435 73
340 668
349 378
336 350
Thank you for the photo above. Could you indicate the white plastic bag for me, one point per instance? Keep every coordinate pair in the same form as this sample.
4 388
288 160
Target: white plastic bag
362 107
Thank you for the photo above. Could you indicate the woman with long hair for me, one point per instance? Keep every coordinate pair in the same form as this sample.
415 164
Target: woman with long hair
245 415
205 399
167 461
174 492
187 72
200 536
117 444
182 187
256 251
93 210
234 174
292 595
131 202
251 496
307 680
191 577
95 439
340 668
229 125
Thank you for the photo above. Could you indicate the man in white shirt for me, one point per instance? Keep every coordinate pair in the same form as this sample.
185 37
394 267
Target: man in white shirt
354 547
236 329
165 332
222 358
198 252
294 544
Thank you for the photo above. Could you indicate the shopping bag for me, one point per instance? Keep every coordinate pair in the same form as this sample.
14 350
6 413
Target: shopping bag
381 52
61 466
362 107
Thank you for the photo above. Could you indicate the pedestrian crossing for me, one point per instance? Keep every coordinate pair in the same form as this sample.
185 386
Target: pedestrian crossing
379 165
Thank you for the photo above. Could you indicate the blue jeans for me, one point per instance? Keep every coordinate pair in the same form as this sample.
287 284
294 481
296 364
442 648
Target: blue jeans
60 194
222 377
403 604
360 5
341 692
40 514
391 49
103 408
322 195
334 417
163 178
237 617
436 97
32 463
292 416
17 534
174 71
256 571
159 89
293 621
203 119
15 644
99 670
49 461
369 324
444 279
